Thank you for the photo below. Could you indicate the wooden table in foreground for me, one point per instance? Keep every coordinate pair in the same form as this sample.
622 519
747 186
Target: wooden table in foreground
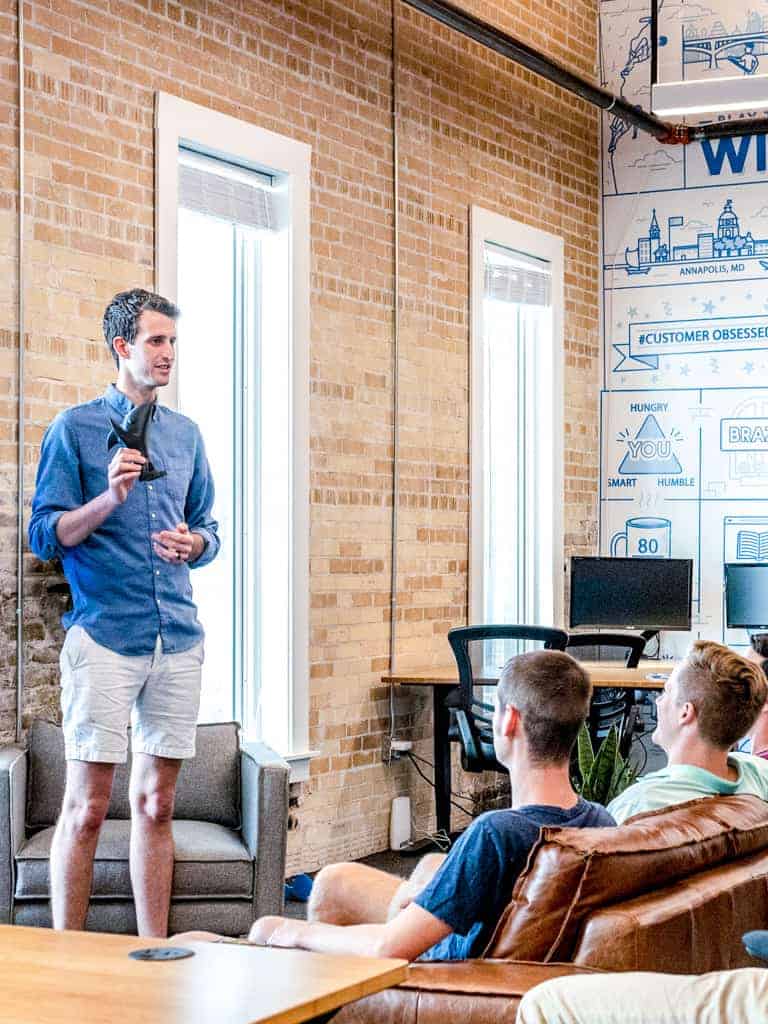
49 977
444 682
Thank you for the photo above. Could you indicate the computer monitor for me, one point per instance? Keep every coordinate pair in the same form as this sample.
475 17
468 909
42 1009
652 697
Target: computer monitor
631 593
746 595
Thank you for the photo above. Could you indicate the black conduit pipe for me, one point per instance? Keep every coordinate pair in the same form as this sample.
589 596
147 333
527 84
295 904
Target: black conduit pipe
494 39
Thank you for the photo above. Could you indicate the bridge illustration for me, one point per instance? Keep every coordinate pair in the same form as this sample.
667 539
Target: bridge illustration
739 50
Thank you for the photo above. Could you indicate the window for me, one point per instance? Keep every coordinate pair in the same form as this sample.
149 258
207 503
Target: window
233 250
516 555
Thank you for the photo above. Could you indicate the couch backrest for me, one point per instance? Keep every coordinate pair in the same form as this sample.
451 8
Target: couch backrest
690 927
208 788
572 872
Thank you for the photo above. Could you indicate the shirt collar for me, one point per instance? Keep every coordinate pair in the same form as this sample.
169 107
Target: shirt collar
121 403
689 772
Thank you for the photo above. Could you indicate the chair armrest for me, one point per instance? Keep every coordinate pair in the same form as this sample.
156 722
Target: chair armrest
13 792
264 804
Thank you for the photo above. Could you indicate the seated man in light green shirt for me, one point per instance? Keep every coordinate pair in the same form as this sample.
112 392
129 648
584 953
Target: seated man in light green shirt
710 701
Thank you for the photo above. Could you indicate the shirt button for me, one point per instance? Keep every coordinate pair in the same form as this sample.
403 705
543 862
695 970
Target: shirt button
154 516
157 572
150 487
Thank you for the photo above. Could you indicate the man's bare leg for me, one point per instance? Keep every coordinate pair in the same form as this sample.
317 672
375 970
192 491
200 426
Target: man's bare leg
152 790
85 804
358 894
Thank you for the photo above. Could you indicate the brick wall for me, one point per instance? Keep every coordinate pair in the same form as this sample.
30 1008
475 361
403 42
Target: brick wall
473 129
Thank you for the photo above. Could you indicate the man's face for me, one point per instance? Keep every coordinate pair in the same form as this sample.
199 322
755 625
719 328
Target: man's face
152 354
667 712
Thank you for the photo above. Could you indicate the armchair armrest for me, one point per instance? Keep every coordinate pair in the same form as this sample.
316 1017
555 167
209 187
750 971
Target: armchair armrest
13 791
264 803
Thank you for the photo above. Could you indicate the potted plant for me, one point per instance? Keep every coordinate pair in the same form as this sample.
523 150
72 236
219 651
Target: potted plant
605 774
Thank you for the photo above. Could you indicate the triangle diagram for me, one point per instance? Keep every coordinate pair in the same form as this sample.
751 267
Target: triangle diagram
650 453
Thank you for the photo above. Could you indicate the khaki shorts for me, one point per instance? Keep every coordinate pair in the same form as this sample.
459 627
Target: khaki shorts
102 691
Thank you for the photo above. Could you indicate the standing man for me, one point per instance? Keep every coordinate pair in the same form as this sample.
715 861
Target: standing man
134 647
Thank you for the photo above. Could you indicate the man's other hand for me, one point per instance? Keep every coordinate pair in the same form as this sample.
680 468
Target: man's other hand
176 545
276 931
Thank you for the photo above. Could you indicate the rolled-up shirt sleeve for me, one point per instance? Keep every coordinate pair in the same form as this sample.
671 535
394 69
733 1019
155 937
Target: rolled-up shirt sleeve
58 488
199 507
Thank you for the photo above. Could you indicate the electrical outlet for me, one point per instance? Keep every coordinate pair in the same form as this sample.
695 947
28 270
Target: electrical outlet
400 746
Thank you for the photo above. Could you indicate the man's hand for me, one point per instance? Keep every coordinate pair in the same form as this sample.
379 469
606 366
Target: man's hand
178 545
195 937
124 470
276 931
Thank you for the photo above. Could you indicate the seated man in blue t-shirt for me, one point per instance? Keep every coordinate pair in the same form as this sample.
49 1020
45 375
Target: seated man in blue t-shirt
541 700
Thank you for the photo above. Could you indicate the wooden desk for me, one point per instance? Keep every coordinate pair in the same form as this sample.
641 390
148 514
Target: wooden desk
602 673
444 683
49 977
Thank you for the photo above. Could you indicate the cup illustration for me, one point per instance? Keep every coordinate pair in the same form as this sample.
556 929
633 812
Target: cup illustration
644 537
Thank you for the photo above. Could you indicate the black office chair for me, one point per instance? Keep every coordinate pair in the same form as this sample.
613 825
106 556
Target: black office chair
481 653
610 706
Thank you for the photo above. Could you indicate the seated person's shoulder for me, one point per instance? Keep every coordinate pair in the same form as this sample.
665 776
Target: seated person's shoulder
754 773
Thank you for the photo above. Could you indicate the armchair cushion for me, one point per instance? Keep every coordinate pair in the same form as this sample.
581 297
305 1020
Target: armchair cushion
208 788
210 860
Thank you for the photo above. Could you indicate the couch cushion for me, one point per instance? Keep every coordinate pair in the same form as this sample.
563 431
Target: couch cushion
208 788
572 872
210 860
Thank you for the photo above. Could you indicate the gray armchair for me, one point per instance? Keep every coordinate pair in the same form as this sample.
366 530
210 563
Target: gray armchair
229 834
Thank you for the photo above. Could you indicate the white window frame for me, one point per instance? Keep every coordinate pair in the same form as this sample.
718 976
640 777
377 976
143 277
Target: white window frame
489 227
178 121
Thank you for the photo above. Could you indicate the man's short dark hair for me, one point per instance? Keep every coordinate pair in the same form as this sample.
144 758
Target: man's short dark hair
551 691
727 691
759 643
121 317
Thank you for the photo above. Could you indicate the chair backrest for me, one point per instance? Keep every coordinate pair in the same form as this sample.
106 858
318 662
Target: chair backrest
482 651
208 788
606 647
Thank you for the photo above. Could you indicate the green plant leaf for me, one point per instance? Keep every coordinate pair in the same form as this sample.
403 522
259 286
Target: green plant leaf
586 754
601 773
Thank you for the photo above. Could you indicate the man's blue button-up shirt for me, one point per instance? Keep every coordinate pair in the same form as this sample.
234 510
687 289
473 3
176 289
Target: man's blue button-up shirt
123 594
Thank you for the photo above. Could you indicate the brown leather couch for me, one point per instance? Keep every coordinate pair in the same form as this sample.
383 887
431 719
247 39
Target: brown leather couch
671 890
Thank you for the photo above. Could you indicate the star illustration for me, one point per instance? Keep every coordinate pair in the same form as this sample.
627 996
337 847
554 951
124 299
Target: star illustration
749 367
685 370
632 312
708 307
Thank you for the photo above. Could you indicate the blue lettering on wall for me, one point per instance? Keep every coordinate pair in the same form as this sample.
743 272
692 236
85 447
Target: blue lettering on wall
735 152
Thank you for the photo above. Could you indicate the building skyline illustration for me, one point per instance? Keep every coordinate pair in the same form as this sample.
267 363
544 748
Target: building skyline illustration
729 241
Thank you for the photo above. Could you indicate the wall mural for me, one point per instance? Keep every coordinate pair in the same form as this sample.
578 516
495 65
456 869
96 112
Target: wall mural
685 311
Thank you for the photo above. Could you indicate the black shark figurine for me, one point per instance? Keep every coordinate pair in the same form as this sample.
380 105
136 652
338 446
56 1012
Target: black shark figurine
134 433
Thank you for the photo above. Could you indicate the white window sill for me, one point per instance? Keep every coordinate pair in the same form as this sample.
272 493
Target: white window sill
298 763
